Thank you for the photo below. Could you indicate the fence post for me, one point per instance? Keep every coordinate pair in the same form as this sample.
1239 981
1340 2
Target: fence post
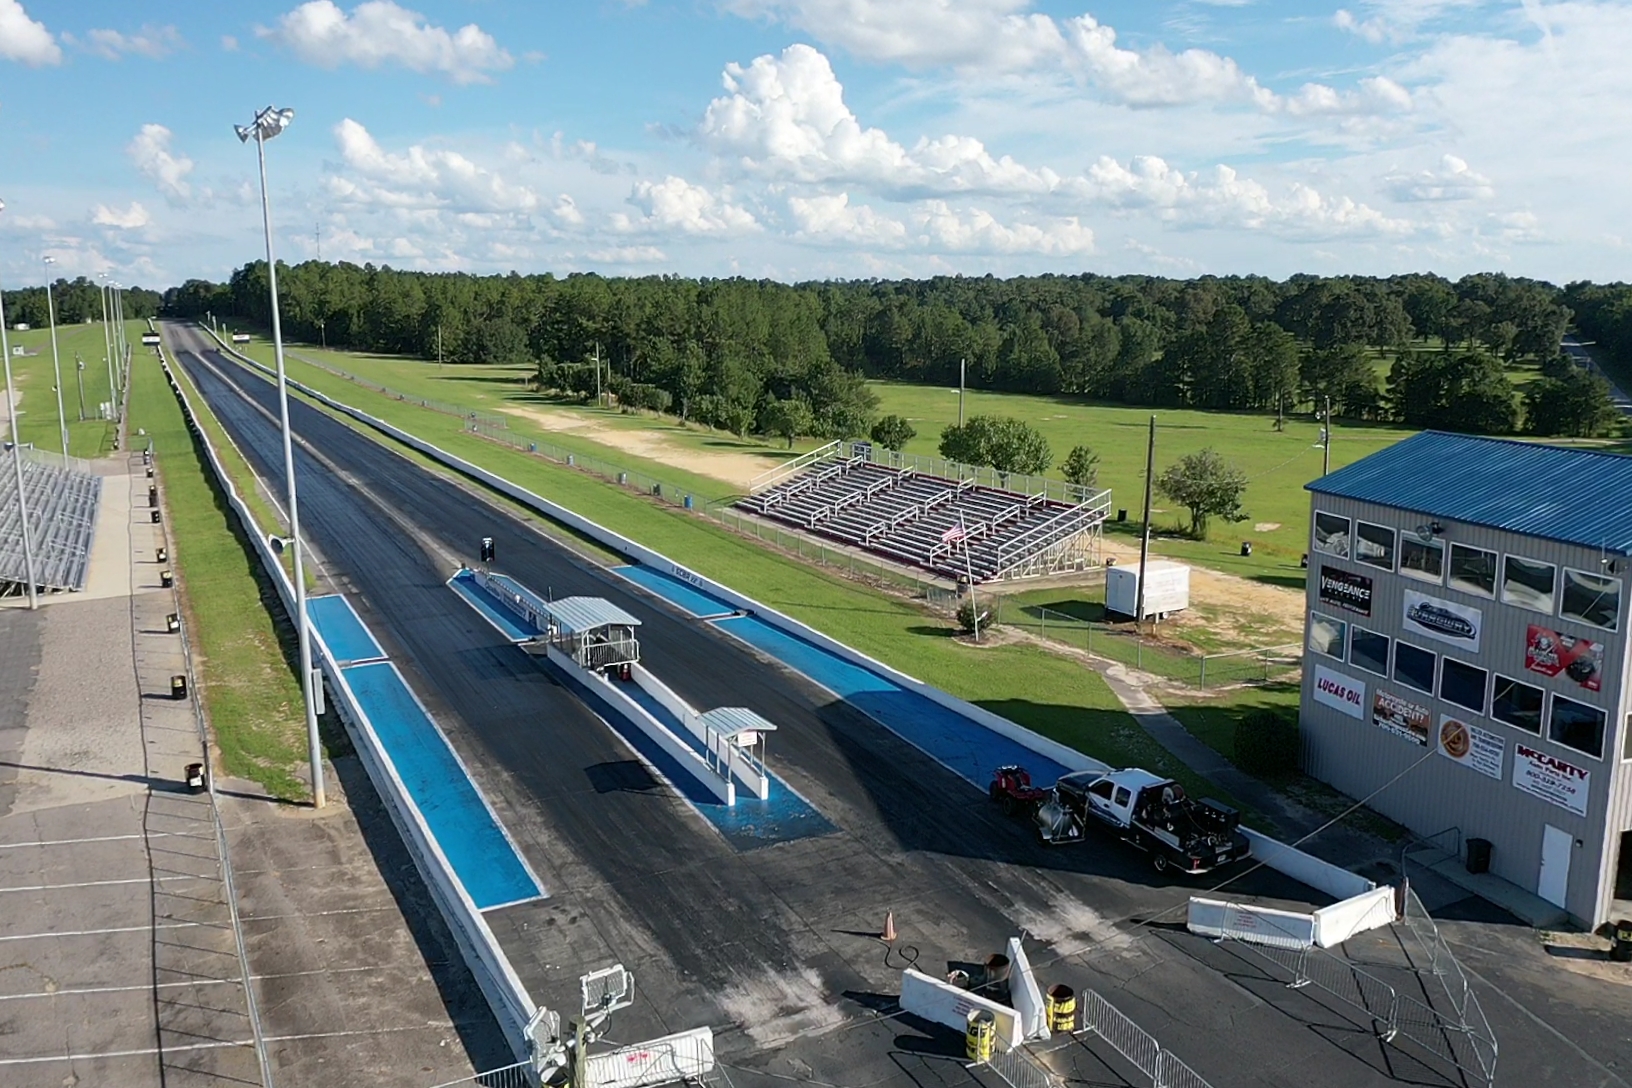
1139 652
1203 682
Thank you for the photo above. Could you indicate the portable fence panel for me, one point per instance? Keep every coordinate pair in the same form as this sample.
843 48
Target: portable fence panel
1173 1073
1020 1070
1124 1036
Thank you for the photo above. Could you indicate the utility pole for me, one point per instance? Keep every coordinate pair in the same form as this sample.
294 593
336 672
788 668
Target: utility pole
317 235
969 573
1144 529
79 374
598 403
439 345
1326 440
1280 419
963 366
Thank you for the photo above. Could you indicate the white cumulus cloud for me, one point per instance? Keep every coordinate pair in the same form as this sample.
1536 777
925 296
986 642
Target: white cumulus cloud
1452 179
380 32
830 217
121 218
676 204
421 177
25 40
152 42
151 153
978 231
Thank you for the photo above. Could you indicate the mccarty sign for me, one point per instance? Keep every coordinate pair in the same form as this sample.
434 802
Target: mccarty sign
1550 778
1339 692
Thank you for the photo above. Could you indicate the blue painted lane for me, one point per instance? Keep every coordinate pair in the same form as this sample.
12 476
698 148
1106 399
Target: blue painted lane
751 823
482 856
967 748
676 591
342 631
492 609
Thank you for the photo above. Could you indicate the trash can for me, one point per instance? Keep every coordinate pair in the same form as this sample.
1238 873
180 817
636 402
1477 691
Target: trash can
980 1029
1303 561
178 686
1060 1009
1246 547
1121 515
688 502
166 579
1478 855
1621 950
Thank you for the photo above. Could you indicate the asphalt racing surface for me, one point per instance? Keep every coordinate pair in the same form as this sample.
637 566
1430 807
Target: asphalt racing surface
775 947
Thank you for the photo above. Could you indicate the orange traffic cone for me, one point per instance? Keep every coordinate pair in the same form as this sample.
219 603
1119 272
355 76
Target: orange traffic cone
889 927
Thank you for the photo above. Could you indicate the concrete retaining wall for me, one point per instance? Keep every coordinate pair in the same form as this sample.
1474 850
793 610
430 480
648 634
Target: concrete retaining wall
505 994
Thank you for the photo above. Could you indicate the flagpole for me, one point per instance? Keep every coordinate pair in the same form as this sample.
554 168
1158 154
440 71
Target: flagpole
969 573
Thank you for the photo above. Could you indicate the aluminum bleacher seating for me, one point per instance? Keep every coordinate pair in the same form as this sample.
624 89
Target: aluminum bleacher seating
905 516
62 508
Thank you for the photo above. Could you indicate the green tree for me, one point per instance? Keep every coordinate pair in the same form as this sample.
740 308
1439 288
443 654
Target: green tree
1003 442
893 433
1577 405
1081 467
788 418
1206 485
1469 393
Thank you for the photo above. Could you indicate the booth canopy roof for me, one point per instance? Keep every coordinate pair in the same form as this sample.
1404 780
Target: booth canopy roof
575 615
1575 496
728 721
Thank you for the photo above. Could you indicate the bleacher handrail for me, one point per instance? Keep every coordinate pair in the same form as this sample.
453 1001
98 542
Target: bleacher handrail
1095 508
788 468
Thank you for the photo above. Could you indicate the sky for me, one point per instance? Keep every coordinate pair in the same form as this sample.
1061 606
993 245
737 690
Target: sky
808 139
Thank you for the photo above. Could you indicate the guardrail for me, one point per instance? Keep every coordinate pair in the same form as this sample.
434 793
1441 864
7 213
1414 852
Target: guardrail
512 1005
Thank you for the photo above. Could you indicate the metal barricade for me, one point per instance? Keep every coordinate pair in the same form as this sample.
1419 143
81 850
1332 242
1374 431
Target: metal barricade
1020 1070
1172 1073
1124 1036
520 1075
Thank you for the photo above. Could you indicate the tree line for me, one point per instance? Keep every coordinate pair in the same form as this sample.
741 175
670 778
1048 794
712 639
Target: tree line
77 301
791 359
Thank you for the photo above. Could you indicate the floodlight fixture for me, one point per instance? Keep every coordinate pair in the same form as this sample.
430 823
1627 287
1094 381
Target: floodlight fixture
267 124
607 990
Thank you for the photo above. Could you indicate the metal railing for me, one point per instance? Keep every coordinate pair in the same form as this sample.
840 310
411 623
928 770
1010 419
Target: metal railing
788 468
1020 1070
520 1075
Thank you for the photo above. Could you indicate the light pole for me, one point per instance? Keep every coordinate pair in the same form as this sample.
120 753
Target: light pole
56 364
267 124
107 347
79 375
17 460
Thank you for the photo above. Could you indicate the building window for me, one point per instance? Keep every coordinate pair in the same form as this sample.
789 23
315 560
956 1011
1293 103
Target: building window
1591 598
1519 705
1528 584
1326 635
1424 559
1414 666
1463 685
1626 738
1332 534
1577 725
1473 570
1374 544
1368 650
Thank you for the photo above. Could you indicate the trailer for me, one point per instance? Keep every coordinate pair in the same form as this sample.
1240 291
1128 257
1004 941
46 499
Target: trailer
1167 589
1148 812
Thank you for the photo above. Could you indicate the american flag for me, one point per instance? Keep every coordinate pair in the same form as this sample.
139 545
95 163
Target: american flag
952 534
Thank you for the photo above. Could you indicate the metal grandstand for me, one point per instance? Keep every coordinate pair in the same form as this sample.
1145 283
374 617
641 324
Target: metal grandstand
63 497
951 519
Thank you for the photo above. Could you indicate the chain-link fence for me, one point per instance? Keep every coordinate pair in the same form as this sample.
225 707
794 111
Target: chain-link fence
488 420
1118 642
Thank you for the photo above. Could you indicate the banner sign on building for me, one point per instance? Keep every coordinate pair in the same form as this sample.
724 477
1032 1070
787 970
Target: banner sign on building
1550 778
1471 746
1401 717
1342 589
1337 691
1447 621
1551 652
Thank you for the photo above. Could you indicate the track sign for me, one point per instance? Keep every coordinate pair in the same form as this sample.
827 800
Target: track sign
608 989
150 338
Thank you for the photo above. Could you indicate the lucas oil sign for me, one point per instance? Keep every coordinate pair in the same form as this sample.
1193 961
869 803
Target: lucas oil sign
1337 691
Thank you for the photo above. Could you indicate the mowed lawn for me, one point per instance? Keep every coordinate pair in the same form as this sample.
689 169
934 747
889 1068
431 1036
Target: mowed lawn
1278 464
33 373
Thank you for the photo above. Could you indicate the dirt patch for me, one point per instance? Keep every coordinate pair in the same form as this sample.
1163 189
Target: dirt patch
1231 595
736 469
1266 526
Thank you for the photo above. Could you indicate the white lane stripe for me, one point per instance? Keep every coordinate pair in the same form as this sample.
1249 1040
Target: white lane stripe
150 1051
148 986
103 883
98 932
103 838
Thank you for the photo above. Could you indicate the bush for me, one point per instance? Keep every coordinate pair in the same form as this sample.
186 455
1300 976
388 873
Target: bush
966 616
1266 743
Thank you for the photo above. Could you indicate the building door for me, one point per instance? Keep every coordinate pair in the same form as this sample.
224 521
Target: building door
1555 864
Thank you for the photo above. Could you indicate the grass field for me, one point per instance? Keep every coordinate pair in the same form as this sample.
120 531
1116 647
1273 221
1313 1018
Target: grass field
250 693
35 380
1031 685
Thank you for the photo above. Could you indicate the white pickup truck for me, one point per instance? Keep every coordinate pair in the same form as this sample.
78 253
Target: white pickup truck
1148 811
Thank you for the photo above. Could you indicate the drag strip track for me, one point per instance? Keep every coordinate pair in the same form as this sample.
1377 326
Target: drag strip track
763 937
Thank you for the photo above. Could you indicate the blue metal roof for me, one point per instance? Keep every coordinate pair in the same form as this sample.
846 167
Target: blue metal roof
1575 496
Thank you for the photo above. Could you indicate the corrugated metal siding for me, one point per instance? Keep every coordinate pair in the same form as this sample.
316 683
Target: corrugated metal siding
1572 496
1358 757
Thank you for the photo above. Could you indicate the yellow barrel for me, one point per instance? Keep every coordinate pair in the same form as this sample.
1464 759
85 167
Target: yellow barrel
1060 1006
978 1035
